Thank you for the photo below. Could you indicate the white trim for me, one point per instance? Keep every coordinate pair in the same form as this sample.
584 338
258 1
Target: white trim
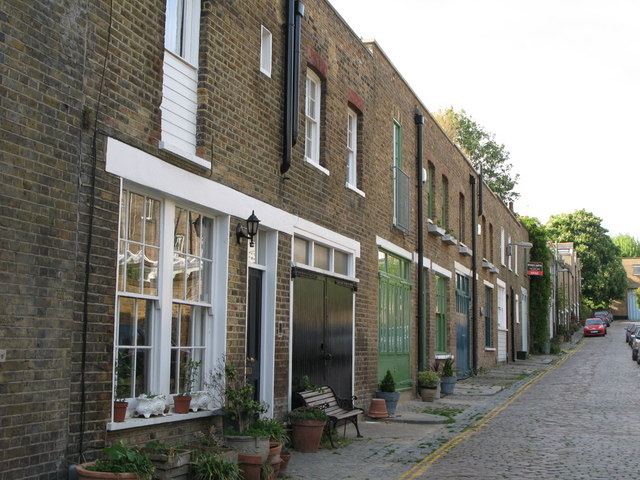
393 248
489 349
355 189
488 284
443 356
308 161
441 271
135 166
462 269
426 263
327 273
501 283
147 422
266 50
183 154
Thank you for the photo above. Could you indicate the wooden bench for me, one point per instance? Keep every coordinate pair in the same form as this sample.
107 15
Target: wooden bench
339 410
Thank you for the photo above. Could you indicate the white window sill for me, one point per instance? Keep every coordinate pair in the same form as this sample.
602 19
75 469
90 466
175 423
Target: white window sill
308 161
489 349
355 189
157 420
443 356
182 154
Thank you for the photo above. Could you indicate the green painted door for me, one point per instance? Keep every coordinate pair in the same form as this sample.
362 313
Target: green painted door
394 318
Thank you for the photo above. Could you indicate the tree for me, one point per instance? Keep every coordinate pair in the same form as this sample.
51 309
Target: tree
540 285
482 150
604 278
629 246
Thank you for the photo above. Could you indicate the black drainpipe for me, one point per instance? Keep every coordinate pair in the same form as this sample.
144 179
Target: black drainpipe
292 81
474 271
422 353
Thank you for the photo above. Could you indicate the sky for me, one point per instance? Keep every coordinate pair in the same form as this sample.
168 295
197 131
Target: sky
556 81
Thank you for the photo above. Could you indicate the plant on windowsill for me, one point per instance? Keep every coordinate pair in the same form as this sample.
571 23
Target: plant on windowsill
121 386
151 404
428 383
122 463
387 391
448 379
182 401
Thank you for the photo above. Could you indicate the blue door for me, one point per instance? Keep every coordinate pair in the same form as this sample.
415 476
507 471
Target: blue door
463 322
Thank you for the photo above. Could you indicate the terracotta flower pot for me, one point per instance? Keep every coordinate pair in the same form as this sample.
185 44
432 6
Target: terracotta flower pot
250 466
307 434
285 456
181 403
119 411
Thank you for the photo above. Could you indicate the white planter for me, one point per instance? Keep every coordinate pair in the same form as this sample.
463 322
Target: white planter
200 401
150 406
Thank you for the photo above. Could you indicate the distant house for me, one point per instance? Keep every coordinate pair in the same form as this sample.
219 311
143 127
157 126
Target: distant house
628 307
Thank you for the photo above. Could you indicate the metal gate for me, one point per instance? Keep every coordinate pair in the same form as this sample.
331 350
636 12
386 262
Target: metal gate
322 335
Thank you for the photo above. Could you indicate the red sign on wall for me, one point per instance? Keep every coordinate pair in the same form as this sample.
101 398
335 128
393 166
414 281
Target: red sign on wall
535 268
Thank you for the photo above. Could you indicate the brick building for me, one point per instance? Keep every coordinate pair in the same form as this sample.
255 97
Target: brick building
139 138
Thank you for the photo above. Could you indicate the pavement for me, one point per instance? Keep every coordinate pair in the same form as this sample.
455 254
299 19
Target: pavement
391 446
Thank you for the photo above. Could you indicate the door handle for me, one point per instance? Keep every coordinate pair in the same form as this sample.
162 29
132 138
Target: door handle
251 360
328 356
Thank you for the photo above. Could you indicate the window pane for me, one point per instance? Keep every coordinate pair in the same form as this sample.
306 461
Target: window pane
133 267
393 264
300 247
340 262
180 230
194 279
321 257
382 263
150 273
126 322
142 372
136 215
152 222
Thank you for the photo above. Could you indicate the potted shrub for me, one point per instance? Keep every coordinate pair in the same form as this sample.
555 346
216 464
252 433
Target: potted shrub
213 445
169 461
428 383
241 410
207 466
121 387
448 379
307 425
122 463
182 401
387 391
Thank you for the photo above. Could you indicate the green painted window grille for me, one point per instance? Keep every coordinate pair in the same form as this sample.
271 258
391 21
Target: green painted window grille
441 314
394 304
488 333
463 298
444 203
401 184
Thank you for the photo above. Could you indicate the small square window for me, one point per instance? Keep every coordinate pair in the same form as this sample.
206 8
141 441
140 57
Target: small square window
340 262
300 254
321 257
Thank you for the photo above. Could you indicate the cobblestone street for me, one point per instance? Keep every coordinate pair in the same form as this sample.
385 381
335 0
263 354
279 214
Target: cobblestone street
573 421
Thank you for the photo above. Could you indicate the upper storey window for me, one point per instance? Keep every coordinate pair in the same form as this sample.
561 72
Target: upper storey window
182 29
312 121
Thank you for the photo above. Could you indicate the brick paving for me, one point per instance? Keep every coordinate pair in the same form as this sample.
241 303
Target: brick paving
577 421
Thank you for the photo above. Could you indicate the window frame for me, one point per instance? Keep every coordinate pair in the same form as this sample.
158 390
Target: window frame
183 20
352 150
444 202
441 314
266 51
312 122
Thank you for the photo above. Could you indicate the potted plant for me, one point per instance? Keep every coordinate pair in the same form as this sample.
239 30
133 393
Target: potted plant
182 401
207 466
123 462
121 386
307 425
169 461
428 383
387 391
241 410
448 379
213 445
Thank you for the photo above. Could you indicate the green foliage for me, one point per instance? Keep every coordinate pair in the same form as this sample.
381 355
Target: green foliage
629 246
447 368
482 150
236 396
638 297
388 384
272 428
124 459
307 413
428 378
604 278
190 369
122 377
540 289
207 466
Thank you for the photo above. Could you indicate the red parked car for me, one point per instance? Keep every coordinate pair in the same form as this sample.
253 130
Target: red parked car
594 326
